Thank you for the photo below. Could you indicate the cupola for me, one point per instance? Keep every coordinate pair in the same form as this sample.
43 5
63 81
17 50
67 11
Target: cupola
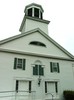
34 10
33 19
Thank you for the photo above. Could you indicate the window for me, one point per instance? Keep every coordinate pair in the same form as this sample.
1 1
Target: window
30 12
19 63
22 85
37 43
51 87
54 67
38 70
36 12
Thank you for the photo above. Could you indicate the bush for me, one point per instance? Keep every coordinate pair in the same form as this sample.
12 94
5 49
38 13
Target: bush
68 95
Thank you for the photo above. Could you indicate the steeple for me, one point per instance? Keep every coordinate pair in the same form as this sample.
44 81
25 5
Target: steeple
34 19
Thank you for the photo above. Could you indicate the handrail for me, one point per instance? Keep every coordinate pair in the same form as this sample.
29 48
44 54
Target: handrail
6 91
51 95
15 91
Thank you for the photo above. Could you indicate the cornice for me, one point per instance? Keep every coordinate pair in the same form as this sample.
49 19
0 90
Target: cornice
34 54
33 4
42 33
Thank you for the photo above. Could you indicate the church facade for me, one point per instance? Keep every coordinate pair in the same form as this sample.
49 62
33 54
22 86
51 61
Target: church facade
32 65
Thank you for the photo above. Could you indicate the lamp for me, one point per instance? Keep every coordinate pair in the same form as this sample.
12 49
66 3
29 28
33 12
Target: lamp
39 81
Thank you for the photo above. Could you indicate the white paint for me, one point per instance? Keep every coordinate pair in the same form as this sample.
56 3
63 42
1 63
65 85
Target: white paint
8 75
22 44
32 24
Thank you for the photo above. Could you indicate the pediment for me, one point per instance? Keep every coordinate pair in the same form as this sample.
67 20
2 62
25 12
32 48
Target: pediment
23 43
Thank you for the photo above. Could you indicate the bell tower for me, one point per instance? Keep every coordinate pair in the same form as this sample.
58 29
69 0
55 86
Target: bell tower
34 19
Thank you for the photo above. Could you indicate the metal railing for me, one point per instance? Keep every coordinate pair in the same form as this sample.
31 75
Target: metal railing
51 95
20 95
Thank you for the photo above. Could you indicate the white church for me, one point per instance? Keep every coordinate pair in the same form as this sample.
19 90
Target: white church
33 66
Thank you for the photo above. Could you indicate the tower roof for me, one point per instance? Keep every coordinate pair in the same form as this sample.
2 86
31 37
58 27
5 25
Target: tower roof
34 5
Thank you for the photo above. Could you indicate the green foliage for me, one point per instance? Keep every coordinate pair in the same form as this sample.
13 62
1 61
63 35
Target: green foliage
68 95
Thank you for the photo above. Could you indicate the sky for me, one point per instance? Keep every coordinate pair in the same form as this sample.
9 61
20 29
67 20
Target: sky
60 13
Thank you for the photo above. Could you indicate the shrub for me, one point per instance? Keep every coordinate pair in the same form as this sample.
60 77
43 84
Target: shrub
68 95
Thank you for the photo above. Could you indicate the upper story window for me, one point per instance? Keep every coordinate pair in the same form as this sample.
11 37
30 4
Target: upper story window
54 67
37 43
19 63
38 68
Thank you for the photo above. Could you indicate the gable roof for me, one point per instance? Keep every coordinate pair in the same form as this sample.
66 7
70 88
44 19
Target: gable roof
42 33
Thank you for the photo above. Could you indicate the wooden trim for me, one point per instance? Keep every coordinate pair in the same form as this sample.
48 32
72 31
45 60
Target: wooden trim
34 54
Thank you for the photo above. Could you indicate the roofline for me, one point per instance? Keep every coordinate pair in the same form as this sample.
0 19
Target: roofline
32 18
59 46
42 33
34 54
18 36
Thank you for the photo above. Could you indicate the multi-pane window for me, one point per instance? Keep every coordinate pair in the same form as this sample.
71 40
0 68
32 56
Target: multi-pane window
19 63
54 67
51 87
38 70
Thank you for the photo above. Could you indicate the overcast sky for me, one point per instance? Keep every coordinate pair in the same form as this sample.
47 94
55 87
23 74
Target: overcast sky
59 12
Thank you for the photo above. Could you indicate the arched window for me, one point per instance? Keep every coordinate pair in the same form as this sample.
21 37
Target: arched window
38 69
37 43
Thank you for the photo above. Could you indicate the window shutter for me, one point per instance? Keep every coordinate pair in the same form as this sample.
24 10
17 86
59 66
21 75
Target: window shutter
16 85
45 87
29 86
41 70
24 62
51 67
35 70
58 67
56 87
15 63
